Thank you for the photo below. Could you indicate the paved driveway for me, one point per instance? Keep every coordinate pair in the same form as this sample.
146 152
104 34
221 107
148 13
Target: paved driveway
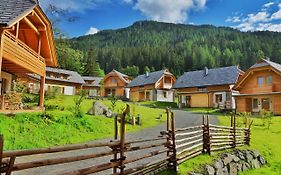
183 119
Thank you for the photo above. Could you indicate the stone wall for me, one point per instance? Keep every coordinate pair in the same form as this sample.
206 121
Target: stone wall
234 162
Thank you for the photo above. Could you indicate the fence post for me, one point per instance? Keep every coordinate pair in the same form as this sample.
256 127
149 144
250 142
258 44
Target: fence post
173 137
115 138
234 130
206 135
248 134
122 138
168 128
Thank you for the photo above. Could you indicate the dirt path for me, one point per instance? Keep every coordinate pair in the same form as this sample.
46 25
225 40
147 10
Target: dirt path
183 119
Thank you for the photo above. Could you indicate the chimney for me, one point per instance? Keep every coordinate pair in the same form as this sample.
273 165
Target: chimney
206 71
146 74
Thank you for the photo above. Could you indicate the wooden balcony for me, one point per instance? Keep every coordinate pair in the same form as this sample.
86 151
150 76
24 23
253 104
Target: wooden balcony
167 85
20 58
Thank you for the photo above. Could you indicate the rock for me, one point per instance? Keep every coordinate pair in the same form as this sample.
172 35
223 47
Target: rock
210 170
232 168
226 160
100 109
222 171
249 156
235 158
256 164
245 166
241 155
255 153
261 160
194 173
218 164
239 166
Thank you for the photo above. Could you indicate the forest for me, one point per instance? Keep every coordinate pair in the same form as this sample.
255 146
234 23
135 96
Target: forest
149 45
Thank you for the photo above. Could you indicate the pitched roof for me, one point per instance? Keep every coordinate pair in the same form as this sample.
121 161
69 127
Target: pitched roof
143 79
216 76
124 77
96 80
10 10
73 77
266 62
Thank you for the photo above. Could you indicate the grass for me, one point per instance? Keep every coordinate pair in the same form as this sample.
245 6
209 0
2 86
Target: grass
60 127
159 104
266 141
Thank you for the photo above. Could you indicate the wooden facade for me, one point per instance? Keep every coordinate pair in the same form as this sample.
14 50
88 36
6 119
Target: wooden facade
210 96
92 86
114 84
26 46
260 89
210 88
159 90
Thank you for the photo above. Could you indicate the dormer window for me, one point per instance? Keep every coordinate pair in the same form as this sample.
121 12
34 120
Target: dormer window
113 80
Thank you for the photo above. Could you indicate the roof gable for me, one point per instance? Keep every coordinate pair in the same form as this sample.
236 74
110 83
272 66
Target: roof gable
10 10
144 79
216 76
260 64
125 78
96 80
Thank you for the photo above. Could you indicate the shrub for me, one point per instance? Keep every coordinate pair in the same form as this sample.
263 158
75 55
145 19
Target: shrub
266 118
78 101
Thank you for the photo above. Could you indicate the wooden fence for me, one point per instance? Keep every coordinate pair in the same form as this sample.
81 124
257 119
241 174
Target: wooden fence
145 156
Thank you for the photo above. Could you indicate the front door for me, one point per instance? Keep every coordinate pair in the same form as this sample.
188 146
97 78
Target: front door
265 102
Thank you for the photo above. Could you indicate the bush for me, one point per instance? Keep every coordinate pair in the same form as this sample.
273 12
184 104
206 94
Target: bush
266 118
29 98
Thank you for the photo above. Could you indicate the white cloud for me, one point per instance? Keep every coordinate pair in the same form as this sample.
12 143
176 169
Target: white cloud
128 1
262 20
233 19
267 5
72 5
168 10
92 31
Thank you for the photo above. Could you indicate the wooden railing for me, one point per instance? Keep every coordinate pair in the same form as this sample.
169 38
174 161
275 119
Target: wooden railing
22 45
145 156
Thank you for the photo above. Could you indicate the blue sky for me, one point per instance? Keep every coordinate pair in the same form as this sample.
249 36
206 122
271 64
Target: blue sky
96 15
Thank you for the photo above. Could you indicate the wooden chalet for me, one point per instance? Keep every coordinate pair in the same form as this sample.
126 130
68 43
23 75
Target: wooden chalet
92 86
208 88
154 86
26 44
260 88
61 81
114 83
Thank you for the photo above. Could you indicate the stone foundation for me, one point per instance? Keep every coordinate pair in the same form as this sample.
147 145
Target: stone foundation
234 162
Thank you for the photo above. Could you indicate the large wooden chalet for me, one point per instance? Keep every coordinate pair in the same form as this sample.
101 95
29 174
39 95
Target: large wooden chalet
208 87
27 44
260 88
154 86
92 85
114 84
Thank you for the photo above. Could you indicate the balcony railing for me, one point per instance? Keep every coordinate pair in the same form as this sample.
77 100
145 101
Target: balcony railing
22 45
167 85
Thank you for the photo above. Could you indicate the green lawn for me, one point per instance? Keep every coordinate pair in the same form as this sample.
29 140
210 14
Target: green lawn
59 126
211 111
267 141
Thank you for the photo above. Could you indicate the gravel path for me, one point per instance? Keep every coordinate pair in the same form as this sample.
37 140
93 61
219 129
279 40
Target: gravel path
183 119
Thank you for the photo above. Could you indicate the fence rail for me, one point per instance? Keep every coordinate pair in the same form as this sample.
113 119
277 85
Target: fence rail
171 148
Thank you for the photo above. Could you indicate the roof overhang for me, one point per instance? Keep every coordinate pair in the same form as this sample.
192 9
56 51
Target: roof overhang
256 94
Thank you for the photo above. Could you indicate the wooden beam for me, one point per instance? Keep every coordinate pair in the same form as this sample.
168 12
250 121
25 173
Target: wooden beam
39 44
17 30
28 22
1 49
42 92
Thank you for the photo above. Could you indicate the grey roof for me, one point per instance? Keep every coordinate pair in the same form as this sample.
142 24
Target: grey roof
73 77
217 76
142 80
96 80
10 10
266 62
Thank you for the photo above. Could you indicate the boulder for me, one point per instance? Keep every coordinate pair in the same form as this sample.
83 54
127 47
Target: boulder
100 109
210 170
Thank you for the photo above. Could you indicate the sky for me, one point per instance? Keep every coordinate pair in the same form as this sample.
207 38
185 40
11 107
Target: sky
91 16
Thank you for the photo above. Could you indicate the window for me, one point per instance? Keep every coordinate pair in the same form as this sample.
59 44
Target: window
202 89
218 98
255 103
165 94
269 80
260 81
113 80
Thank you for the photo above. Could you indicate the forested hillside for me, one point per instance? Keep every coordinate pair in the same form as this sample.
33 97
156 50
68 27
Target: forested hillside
149 45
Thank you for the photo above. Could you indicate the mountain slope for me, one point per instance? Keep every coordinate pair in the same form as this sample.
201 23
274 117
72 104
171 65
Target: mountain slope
178 47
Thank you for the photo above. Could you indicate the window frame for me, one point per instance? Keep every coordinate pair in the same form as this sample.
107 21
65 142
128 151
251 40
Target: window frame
267 78
258 81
